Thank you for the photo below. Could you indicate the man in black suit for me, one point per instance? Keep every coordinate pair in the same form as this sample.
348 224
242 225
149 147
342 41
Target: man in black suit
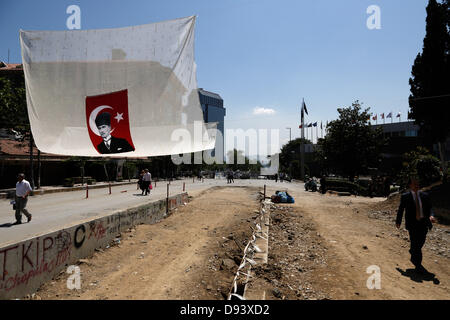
419 217
110 144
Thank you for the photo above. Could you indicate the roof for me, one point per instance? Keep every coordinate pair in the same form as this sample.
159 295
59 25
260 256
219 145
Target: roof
397 126
210 94
16 148
10 66
210 98
11 149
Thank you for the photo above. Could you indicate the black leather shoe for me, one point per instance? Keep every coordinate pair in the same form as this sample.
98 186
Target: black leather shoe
29 218
17 222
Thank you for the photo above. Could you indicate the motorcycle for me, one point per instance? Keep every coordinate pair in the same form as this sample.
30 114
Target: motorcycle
311 184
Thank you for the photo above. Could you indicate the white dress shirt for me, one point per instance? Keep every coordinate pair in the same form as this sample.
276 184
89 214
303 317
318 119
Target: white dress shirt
420 202
22 188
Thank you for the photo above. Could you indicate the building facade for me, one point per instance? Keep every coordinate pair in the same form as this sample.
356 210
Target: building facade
213 111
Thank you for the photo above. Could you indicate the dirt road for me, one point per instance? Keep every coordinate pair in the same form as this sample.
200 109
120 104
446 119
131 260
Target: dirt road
319 248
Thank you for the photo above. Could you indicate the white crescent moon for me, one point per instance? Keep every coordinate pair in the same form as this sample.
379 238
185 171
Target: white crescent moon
92 117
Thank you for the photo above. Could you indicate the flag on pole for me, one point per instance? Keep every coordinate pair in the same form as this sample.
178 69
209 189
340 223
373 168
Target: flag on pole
398 115
321 125
382 116
310 125
114 92
304 107
315 124
389 115
375 117
300 126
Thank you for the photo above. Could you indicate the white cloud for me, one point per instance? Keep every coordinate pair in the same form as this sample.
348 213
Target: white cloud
262 110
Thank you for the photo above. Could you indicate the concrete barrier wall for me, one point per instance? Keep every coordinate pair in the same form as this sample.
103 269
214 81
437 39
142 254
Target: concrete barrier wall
26 265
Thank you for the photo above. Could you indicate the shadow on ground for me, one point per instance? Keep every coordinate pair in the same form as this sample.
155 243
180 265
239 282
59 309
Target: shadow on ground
419 276
7 225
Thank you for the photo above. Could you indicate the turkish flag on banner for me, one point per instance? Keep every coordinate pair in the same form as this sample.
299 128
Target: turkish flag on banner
108 122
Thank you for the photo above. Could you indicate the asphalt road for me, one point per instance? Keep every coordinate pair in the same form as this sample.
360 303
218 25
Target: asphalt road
52 212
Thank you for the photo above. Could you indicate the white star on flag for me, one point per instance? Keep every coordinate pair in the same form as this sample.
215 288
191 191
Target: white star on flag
119 117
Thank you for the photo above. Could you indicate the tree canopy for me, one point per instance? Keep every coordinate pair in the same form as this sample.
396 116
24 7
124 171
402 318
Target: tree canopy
351 145
430 76
13 106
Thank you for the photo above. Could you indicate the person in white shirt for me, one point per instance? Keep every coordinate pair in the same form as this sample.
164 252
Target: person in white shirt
147 180
23 189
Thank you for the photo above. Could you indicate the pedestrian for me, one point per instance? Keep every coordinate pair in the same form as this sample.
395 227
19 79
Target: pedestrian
276 177
232 176
147 179
23 189
140 181
419 217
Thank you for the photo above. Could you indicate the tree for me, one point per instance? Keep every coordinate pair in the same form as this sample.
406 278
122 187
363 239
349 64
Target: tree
422 164
13 106
238 161
290 157
351 145
430 77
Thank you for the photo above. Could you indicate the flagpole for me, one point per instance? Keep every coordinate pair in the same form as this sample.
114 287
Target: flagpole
302 145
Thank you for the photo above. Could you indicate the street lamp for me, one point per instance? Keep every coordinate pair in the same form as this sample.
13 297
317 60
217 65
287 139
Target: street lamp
289 133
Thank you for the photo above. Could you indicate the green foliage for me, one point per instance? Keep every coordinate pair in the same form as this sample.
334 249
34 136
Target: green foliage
422 164
430 77
234 156
351 145
13 106
290 161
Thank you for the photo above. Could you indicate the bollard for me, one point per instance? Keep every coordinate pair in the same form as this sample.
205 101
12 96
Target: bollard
110 188
167 200
87 191
184 186
264 192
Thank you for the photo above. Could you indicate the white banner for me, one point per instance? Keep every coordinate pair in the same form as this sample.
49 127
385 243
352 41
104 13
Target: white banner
114 92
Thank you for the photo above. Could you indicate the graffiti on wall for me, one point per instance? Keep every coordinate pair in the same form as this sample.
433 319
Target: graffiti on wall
34 259
30 263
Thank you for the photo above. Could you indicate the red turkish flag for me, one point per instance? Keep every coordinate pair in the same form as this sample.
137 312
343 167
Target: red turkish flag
108 122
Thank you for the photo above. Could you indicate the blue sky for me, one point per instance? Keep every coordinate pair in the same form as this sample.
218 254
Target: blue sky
266 53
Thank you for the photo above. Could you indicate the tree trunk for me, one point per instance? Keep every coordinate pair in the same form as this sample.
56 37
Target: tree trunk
39 170
441 146
106 172
31 162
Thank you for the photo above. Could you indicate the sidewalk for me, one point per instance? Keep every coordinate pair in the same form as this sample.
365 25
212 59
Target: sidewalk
9 193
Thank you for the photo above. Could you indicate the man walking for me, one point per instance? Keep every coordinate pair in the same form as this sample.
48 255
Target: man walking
419 217
23 189
147 180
